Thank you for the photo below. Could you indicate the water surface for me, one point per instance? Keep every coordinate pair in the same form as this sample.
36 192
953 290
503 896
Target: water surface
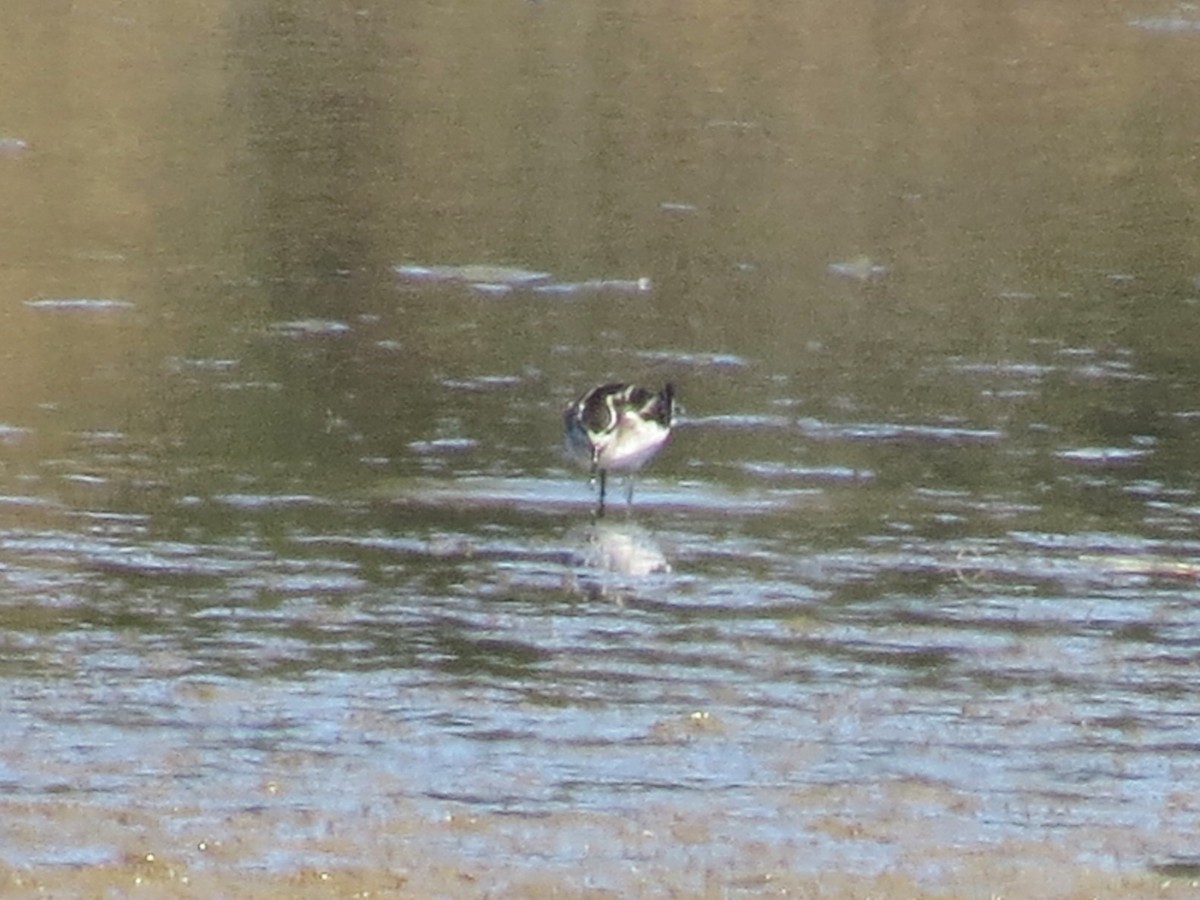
288 548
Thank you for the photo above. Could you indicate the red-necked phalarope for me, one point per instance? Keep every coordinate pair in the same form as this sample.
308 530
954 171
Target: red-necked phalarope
618 427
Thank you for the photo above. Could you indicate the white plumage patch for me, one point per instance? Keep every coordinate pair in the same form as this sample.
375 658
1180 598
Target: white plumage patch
618 427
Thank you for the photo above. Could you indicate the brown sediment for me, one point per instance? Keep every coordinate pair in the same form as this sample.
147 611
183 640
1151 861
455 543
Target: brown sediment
663 852
981 879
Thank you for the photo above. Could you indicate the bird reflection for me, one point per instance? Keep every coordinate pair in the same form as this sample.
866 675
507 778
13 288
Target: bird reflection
622 548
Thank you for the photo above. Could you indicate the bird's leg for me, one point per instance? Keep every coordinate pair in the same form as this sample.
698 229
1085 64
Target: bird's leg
629 490
603 480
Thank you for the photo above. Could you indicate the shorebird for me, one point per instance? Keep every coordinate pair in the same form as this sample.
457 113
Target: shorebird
618 427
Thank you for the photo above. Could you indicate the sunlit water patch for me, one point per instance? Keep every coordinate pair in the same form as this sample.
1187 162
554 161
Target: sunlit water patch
778 471
12 146
1104 456
12 434
596 286
498 280
895 431
862 268
1168 24
471 273
699 361
552 496
79 304
482 382
307 328
739 421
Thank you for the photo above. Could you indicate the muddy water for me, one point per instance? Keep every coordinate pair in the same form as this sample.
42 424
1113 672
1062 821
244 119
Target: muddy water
287 547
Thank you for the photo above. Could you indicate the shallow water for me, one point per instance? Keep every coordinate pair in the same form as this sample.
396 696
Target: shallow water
286 538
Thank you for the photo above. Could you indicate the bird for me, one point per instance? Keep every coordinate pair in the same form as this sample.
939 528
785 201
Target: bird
618 427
